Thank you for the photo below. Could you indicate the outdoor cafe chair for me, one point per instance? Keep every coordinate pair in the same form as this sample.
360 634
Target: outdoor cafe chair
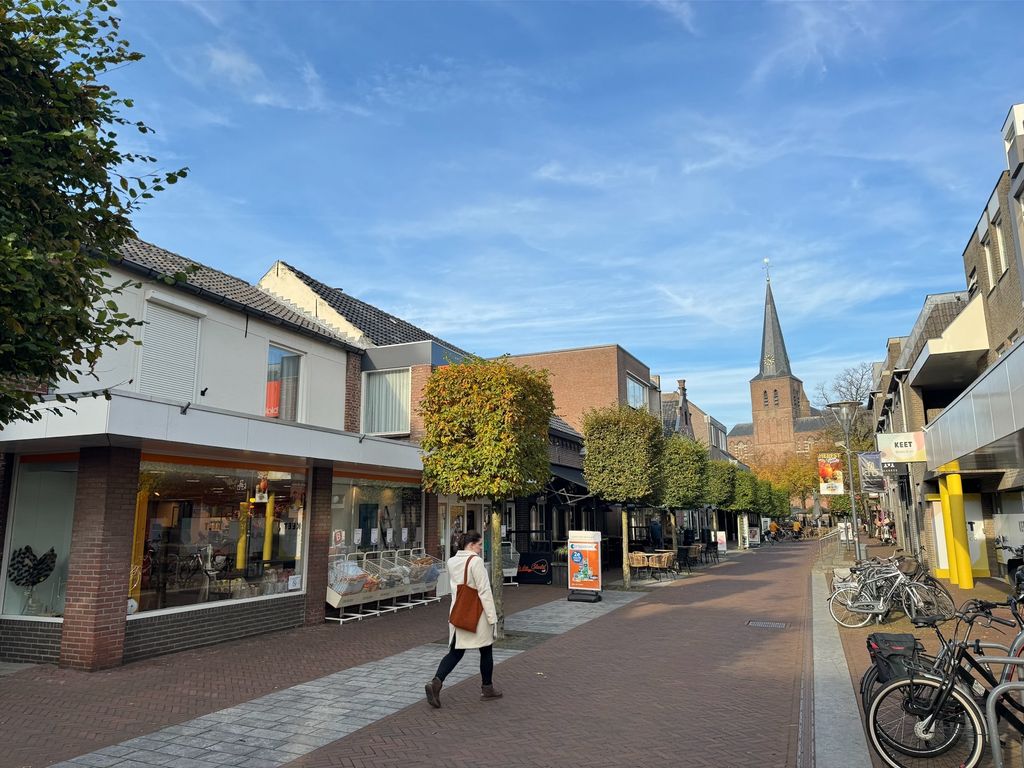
638 563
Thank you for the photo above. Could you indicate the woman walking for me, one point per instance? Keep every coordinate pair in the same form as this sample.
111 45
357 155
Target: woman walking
467 567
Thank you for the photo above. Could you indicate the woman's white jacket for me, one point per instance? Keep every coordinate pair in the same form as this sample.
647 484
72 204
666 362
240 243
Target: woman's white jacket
478 579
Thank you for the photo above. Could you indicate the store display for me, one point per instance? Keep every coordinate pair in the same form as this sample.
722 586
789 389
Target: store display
28 570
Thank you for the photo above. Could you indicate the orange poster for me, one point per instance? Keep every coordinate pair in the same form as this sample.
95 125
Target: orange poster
585 560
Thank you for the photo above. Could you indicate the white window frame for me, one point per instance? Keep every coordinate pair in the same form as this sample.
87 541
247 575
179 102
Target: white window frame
364 389
300 406
986 246
644 404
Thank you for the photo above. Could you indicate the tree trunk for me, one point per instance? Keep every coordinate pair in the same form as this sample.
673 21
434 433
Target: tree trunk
497 578
625 548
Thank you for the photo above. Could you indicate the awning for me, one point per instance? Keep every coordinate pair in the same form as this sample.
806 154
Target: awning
570 474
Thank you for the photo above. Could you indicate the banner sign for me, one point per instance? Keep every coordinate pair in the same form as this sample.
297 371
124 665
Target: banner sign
871 477
901 446
534 568
830 474
720 541
585 560
754 536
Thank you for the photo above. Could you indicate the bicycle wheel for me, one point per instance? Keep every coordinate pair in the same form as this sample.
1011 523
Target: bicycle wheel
897 721
838 606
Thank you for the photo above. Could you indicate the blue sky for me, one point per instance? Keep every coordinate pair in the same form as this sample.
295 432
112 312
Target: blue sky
517 177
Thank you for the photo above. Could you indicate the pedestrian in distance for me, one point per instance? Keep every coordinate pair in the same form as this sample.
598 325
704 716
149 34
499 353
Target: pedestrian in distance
657 538
467 567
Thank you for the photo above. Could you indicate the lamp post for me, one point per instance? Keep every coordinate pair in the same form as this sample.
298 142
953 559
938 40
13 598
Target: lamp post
845 412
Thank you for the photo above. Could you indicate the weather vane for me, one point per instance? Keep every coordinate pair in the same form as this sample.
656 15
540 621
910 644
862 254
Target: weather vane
767 270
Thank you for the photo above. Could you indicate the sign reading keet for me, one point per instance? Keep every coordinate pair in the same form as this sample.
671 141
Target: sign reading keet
900 447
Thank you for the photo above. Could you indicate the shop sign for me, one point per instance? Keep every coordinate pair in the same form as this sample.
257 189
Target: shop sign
295 582
721 541
534 568
585 561
901 446
830 474
753 536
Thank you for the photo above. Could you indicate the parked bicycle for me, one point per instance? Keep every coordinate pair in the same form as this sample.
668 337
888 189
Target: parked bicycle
875 588
936 717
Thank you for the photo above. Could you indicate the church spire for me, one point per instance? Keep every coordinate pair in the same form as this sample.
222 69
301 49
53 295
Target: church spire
774 360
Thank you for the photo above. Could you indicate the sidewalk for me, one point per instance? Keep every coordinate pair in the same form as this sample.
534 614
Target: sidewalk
669 676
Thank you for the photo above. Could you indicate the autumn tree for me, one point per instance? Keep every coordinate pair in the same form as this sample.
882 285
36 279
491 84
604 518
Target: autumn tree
684 476
623 461
486 434
67 195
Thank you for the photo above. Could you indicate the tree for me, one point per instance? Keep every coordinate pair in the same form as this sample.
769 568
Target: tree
684 476
851 384
486 434
744 497
780 503
721 487
624 448
68 195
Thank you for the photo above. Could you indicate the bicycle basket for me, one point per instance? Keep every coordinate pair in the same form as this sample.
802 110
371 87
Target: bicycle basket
893 654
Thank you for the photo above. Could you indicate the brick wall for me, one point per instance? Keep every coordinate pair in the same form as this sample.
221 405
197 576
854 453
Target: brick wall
30 641
157 635
101 544
581 379
353 391
319 543
418 380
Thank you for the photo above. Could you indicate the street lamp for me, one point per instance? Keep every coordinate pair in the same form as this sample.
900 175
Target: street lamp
845 412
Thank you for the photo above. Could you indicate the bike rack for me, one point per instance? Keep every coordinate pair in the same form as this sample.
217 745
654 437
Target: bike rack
991 718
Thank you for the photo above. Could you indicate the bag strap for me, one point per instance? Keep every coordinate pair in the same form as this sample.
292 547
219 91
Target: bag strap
465 573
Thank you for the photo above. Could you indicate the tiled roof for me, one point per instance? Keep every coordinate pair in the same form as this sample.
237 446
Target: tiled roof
809 424
742 430
220 284
774 359
556 423
379 326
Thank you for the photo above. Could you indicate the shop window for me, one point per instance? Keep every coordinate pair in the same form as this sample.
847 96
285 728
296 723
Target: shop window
170 349
636 394
282 384
40 539
372 516
386 402
205 534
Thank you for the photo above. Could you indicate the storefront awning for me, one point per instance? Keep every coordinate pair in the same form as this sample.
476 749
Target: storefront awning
570 474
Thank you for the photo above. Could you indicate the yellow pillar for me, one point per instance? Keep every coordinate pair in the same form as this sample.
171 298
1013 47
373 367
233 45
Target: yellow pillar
242 550
268 529
947 527
959 520
139 542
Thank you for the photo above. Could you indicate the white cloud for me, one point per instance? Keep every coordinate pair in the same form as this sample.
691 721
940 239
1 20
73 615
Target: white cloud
680 10
614 175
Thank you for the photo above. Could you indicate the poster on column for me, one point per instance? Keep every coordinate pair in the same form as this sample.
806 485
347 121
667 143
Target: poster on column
585 560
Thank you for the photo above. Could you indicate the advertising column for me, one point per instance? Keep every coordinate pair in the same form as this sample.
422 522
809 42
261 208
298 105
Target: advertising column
584 566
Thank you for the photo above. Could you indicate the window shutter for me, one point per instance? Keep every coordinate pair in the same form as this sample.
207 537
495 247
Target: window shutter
170 343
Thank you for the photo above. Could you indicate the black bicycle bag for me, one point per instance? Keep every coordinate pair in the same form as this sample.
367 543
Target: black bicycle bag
893 654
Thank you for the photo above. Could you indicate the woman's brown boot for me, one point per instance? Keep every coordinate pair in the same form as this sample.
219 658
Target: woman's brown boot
489 692
433 689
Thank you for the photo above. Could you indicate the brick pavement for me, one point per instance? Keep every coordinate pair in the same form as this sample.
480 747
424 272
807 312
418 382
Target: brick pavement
677 677
48 714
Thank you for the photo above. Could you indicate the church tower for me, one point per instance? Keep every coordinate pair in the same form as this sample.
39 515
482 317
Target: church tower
777 397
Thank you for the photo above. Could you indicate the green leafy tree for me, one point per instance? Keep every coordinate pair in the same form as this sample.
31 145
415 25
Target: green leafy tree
67 194
780 503
745 496
721 486
486 434
762 498
623 461
684 476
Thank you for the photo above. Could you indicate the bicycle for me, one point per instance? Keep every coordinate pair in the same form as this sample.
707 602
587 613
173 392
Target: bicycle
874 595
936 718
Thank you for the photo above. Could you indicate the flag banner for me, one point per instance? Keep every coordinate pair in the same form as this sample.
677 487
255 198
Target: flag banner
830 473
871 478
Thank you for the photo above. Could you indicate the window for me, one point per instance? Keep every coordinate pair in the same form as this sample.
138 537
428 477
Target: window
43 509
386 402
765 398
992 276
215 533
796 400
170 347
972 282
1000 249
775 397
636 394
282 384
370 516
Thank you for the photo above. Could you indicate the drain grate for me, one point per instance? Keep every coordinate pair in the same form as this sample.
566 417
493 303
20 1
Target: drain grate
766 624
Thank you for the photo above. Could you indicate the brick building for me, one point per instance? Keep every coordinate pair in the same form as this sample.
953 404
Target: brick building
784 423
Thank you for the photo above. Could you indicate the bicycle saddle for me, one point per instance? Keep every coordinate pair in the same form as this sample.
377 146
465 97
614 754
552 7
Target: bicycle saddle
928 621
